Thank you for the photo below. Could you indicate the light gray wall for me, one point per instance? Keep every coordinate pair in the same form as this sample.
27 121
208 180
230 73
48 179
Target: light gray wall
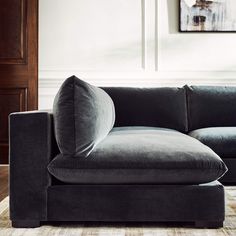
127 43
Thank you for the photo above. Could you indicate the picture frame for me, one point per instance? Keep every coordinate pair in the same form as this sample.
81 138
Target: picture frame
207 16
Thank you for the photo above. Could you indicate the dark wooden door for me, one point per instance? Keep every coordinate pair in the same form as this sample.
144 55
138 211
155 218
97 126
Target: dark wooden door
18 62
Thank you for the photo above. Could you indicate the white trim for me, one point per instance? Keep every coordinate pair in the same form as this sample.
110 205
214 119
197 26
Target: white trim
143 30
54 80
156 35
131 75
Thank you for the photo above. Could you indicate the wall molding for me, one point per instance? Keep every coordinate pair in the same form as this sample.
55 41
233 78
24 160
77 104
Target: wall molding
50 81
53 79
143 30
156 35
48 87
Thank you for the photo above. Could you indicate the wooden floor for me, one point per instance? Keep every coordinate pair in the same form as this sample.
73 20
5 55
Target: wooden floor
3 182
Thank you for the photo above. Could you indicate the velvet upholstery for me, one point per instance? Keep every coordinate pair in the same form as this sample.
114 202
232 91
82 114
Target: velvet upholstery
36 196
83 115
211 106
221 140
156 107
30 152
142 155
182 203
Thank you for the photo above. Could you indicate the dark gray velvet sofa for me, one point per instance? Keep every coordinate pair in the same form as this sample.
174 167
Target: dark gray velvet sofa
149 167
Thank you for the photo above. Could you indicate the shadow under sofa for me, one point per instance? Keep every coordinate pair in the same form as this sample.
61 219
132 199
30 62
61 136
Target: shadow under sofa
175 181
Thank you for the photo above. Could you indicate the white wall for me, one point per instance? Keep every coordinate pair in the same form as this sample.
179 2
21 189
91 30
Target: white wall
127 43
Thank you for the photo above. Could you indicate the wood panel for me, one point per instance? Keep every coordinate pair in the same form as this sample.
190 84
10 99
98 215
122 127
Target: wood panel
11 100
18 62
13 42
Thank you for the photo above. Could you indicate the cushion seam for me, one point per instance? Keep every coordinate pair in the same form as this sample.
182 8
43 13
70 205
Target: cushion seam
74 116
188 108
186 113
137 168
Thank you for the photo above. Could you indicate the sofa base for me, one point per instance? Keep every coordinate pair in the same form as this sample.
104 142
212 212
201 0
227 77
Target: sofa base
200 204
25 223
35 224
203 205
209 224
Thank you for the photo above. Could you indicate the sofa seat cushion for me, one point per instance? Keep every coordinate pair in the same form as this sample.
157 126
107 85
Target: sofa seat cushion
221 140
142 155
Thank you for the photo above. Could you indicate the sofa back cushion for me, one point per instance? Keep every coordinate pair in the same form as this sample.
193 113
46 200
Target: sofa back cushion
157 107
211 106
83 116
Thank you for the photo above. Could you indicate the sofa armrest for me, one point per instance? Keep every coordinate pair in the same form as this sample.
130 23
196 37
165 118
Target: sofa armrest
30 152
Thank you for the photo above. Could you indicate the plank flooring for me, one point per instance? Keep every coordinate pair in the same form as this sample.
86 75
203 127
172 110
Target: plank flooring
3 182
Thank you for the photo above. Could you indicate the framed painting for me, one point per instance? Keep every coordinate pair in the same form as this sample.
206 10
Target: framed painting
207 16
